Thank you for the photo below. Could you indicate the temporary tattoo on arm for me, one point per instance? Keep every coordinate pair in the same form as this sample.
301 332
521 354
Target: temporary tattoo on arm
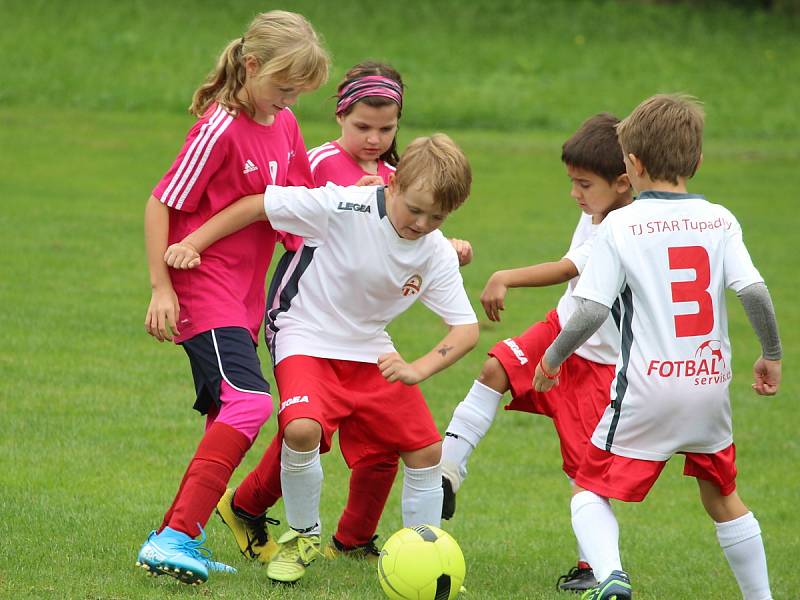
444 350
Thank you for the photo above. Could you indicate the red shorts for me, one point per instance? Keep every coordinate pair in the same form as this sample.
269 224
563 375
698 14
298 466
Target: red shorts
575 405
630 479
376 419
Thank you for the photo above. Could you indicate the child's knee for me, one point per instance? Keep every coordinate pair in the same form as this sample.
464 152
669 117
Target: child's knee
493 375
430 456
302 435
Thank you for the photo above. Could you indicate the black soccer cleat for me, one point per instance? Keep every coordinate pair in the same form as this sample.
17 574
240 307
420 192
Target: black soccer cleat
578 579
449 500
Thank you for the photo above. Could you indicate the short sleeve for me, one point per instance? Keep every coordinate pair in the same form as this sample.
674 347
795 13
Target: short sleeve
301 211
446 295
299 173
603 276
579 256
739 269
202 155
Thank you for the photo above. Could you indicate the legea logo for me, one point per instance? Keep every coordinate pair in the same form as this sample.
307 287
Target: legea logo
708 366
293 400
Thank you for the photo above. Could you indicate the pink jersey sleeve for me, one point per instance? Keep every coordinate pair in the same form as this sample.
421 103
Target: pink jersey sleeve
299 174
202 154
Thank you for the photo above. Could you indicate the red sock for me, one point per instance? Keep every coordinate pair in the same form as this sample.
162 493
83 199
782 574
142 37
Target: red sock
261 488
219 453
369 490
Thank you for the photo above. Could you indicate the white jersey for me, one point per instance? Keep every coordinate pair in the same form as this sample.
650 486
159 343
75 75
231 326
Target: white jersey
603 346
670 256
353 275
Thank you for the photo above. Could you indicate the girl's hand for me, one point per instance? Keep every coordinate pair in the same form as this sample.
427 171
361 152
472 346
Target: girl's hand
766 376
370 180
464 250
182 256
394 368
162 314
493 296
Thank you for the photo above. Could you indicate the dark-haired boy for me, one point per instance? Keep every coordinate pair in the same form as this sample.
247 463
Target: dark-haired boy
594 164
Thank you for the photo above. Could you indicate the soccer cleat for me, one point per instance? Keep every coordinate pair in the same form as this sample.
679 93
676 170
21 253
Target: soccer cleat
449 500
616 586
251 533
368 551
176 554
296 552
579 579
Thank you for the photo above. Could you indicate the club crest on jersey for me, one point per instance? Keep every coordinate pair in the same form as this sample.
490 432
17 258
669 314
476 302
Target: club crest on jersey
412 285
707 367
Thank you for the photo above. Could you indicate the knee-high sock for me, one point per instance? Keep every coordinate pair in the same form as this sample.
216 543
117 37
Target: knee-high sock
471 420
369 489
261 488
422 496
597 531
219 453
741 542
301 481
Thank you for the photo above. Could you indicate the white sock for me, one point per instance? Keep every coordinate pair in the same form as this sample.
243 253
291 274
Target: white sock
422 496
581 553
471 420
301 483
741 542
597 531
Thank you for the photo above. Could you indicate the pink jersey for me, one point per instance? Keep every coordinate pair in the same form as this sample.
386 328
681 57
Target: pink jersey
224 158
331 163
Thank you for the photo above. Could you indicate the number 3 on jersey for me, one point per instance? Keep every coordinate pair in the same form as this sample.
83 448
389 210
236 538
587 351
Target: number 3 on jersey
695 290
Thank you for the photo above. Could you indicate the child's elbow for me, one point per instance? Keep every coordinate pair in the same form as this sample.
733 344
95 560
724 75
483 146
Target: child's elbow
471 334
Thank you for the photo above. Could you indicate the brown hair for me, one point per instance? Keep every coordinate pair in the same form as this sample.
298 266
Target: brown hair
665 132
363 69
285 45
438 165
595 147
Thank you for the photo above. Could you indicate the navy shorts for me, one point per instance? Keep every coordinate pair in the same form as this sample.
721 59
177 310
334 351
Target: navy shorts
225 353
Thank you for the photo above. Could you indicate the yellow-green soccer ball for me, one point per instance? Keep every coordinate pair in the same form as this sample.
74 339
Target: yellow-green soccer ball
421 563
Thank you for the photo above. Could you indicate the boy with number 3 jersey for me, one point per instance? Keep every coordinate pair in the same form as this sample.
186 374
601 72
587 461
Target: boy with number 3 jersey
669 256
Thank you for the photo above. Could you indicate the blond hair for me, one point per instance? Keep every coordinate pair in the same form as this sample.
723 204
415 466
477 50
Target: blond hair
284 44
665 132
436 164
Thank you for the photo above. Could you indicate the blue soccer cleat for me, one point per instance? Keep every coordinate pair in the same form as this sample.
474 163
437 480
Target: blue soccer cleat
176 554
616 586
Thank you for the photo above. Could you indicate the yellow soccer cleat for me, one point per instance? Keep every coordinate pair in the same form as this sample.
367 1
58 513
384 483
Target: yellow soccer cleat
251 533
296 553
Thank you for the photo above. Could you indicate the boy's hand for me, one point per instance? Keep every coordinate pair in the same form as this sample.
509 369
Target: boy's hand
493 296
544 382
162 314
394 368
766 376
370 180
182 256
464 250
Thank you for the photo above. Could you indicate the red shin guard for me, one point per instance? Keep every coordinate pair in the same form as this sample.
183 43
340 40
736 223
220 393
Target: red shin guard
369 490
261 488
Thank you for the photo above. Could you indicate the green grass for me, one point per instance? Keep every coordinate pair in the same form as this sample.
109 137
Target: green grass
95 419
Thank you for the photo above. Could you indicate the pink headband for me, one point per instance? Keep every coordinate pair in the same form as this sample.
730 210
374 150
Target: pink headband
371 85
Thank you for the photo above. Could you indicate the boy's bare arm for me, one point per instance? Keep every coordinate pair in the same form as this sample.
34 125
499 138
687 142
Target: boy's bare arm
543 274
186 253
162 313
458 341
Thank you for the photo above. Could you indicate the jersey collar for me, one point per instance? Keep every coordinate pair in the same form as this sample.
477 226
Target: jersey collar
654 194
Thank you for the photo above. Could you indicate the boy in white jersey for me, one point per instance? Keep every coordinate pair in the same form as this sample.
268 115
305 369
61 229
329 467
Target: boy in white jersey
594 164
369 253
669 256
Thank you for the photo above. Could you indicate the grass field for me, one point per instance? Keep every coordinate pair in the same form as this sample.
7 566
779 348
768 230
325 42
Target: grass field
95 419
